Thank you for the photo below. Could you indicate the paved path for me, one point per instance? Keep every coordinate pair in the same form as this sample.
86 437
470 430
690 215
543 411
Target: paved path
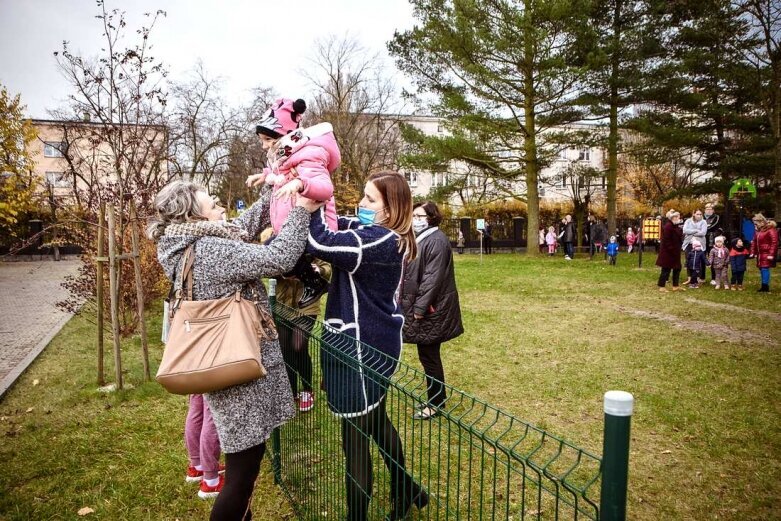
29 318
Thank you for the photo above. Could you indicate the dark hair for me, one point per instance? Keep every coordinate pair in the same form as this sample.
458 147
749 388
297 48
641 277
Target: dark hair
432 212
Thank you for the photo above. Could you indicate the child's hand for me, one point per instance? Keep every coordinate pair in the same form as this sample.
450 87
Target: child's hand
289 189
256 179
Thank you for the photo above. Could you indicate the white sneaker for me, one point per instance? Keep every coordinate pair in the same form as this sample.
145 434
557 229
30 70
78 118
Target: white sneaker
567 258
713 283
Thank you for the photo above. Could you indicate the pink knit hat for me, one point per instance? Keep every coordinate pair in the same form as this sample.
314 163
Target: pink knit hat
283 117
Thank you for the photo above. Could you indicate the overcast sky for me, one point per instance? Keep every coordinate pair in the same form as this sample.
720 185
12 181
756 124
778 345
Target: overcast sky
248 43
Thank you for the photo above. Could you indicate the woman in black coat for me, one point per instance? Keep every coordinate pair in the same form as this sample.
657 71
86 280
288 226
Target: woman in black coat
432 314
669 258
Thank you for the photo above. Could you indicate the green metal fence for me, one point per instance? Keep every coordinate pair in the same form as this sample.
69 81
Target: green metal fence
476 461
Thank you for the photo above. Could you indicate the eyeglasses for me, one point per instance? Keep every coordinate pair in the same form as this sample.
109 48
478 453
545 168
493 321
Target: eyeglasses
419 216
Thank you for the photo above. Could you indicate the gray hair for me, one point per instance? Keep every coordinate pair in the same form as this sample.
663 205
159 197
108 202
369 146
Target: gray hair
176 203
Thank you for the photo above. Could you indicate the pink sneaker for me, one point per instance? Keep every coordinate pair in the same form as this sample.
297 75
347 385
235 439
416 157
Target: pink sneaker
207 492
305 401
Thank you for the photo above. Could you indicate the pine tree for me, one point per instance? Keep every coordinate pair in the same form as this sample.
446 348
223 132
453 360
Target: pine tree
501 73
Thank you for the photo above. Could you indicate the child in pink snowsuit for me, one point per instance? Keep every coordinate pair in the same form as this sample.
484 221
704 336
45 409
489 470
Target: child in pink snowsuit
300 160
631 239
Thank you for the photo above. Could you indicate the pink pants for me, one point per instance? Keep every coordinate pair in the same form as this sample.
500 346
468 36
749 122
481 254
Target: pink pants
551 248
200 437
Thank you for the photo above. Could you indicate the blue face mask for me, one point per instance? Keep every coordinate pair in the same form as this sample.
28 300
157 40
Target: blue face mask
366 216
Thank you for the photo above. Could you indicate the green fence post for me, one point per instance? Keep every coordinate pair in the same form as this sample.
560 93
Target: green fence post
276 443
615 455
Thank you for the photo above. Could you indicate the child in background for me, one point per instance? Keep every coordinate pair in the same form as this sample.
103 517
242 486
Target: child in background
299 161
695 263
718 258
550 240
737 259
631 238
612 250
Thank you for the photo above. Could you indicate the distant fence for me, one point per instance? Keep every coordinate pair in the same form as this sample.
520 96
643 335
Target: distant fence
506 233
475 460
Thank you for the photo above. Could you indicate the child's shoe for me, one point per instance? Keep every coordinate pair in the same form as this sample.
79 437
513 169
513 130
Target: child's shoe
726 286
734 288
207 492
679 288
716 286
662 289
740 287
693 286
714 283
305 401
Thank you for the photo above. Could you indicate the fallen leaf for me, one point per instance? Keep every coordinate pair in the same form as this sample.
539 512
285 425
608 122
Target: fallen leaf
667 452
85 510
36 381
31 409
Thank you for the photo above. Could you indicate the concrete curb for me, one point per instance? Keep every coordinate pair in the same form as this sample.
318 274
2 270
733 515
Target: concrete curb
11 378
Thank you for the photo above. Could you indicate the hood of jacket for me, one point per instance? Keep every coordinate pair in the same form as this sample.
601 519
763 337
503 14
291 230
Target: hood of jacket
170 249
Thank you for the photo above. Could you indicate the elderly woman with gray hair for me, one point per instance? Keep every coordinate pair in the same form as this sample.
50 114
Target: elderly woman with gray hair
225 261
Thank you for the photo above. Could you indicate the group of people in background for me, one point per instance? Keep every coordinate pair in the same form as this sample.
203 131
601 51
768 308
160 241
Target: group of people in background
595 235
701 241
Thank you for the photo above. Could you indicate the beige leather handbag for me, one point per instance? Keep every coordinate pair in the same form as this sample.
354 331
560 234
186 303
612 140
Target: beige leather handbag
212 344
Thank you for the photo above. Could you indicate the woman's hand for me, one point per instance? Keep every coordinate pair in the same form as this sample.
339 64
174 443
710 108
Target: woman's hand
255 180
310 204
289 189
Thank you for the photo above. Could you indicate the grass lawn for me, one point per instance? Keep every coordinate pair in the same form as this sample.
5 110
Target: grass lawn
544 340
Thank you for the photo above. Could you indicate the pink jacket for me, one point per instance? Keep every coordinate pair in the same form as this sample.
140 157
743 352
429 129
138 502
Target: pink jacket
314 155
550 238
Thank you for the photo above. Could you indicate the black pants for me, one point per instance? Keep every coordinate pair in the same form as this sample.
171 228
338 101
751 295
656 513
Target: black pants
429 355
612 259
241 471
487 244
737 277
294 341
665 275
357 433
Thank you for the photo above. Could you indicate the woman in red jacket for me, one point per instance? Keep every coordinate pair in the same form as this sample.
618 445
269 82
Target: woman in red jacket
669 258
765 248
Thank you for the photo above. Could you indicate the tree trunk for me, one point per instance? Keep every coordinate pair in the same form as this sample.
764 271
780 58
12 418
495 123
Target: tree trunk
612 144
530 139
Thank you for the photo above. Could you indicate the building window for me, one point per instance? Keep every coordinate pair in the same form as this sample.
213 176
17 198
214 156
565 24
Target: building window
440 128
53 149
412 178
585 154
439 179
563 180
563 153
57 180
604 182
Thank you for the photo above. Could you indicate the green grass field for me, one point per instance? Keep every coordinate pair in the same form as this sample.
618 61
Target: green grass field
544 340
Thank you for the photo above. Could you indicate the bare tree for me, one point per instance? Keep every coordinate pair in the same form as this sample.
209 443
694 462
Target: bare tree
114 145
202 127
354 94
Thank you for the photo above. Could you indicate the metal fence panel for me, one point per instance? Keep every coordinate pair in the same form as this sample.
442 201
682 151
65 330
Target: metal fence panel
475 460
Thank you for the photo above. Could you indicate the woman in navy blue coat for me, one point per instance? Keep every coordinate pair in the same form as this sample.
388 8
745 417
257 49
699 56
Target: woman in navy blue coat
362 342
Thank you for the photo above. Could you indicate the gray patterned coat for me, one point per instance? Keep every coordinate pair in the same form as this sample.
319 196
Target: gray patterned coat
244 414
